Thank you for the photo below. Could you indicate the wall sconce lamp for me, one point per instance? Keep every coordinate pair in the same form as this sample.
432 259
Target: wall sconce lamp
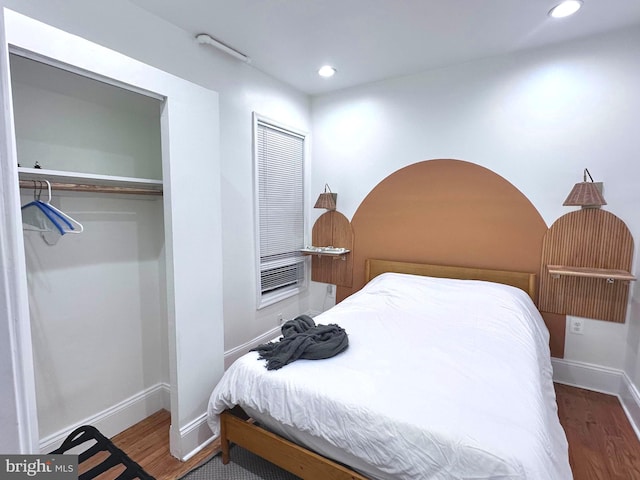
327 200
586 194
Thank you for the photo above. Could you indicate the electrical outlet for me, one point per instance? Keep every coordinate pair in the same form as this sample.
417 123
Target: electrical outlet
329 289
576 326
280 319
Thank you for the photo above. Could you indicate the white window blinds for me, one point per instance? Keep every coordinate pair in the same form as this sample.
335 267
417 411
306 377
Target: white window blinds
280 181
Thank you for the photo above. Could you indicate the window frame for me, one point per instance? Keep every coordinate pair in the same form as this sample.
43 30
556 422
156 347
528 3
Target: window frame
270 298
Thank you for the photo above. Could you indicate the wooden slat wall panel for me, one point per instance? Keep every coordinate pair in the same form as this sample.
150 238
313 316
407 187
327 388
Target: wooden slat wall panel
332 229
591 238
322 236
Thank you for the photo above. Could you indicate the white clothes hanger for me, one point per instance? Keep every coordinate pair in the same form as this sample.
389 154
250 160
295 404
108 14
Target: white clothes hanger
76 227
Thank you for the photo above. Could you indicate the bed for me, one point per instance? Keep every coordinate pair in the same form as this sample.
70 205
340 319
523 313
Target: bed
447 376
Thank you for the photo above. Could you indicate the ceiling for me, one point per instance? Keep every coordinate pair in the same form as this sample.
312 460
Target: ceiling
369 40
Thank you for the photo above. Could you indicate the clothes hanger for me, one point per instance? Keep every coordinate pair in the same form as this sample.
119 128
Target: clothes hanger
43 217
36 216
74 225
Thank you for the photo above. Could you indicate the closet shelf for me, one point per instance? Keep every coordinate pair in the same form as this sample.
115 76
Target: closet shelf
606 273
88 182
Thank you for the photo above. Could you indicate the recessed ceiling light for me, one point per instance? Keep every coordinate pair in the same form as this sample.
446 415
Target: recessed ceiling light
566 8
327 71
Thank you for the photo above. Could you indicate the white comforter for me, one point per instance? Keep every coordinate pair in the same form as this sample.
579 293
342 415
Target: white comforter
443 379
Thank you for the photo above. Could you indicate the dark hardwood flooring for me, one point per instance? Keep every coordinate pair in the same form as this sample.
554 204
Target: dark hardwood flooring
602 443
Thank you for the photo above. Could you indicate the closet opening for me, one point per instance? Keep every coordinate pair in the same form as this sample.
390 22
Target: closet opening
98 299
114 321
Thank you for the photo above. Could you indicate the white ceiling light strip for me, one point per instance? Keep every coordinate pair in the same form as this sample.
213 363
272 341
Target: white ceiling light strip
207 39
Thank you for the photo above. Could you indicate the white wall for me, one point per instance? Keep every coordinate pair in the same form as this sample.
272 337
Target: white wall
537 118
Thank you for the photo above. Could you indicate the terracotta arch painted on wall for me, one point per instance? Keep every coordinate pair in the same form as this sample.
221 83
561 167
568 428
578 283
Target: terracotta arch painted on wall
448 212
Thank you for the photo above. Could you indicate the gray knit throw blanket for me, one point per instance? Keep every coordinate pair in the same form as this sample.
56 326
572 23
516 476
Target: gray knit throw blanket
302 338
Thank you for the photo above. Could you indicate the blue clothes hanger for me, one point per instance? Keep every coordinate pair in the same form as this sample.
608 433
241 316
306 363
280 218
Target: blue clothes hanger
41 215
56 213
38 222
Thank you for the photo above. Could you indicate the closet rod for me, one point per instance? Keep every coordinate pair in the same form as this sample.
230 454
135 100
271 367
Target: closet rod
78 187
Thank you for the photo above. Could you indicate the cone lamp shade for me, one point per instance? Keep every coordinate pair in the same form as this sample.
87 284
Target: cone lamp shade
585 194
327 200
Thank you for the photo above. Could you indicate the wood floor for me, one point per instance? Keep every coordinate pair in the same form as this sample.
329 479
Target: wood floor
147 443
602 443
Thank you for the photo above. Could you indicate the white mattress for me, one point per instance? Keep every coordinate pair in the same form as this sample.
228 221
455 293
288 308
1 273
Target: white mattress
443 379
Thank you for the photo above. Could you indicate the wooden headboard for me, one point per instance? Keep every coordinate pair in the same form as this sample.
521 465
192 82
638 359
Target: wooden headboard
522 280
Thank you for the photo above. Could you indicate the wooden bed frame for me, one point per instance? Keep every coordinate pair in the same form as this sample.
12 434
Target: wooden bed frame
236 427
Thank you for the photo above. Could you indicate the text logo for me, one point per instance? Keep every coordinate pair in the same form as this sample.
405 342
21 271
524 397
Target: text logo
49 467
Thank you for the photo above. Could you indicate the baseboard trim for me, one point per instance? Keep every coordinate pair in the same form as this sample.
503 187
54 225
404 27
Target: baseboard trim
191 438
196 435
232 355
630 399
587 375
601 379
117 418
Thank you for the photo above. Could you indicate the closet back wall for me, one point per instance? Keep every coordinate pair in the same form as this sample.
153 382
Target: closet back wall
96 300
98 317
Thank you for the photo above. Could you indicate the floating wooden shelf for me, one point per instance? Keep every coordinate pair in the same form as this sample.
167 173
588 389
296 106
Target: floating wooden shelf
559 270
325 251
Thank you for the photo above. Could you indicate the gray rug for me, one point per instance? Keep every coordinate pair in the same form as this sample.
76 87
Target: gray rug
244 465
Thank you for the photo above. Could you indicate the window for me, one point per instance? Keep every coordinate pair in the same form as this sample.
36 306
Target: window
279 182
